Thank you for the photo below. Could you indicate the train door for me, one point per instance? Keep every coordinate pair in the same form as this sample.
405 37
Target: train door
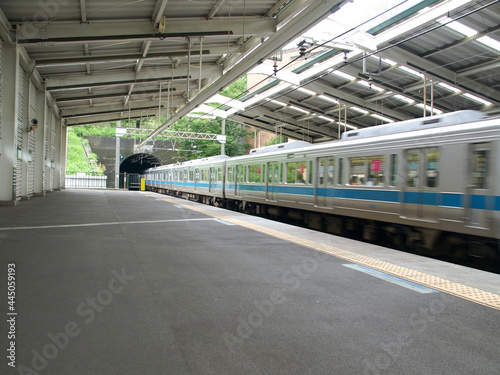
479 203
272 181
324 182
238 179
422 180
212 179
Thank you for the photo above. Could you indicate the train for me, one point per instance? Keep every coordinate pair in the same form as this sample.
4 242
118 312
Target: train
429 185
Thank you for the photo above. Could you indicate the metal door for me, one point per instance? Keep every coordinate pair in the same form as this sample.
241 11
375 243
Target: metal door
479 203
325 182
272 181
422 180
212 179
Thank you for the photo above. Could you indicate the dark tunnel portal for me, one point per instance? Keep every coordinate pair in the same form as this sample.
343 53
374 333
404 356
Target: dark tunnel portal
138 163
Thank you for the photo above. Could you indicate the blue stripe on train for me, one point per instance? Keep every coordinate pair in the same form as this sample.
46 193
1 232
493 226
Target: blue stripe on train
452 200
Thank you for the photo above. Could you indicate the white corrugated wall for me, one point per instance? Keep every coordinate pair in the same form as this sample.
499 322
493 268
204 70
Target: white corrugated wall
1 85
17 177
52 151
30 188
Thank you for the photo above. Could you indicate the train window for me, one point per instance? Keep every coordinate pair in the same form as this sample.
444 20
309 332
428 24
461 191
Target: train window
197 175
413 163
204 175
301 173
341 171
310 180
357 172
367 171
219 175
376 169
281 173
394 170
432 171
479 169
229 174
331 171
191 176
185 175
255 173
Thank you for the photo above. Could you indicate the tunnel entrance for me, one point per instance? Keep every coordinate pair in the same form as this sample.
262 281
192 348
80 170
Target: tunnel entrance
133 166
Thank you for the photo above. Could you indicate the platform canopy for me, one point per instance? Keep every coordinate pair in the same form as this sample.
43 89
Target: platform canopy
114 60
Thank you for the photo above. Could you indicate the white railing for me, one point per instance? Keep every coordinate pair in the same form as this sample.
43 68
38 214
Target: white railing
84 180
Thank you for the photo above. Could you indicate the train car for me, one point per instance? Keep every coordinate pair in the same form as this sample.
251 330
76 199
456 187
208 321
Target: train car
200 180
428 184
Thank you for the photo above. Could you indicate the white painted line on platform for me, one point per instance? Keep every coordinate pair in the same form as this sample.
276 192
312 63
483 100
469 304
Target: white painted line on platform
177 206
392 279
102 224
224 222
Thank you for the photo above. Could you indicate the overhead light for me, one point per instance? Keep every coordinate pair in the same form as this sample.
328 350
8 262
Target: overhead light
360 110
448 87
297 109
331 100
278 102
490 42
435 111
476 99
344 75
306 91
404 99
411 71
457 26
383 118
326 118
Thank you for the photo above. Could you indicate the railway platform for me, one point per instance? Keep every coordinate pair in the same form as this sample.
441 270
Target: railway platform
121 282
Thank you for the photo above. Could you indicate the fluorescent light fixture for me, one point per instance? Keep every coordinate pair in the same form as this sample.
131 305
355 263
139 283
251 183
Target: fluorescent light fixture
476 99
267 94
387 61
306 91
278 102
326 118
297 109
490 42
221 99
448 87
360 110
322 67
328 99
428 108
404 99
411 71
457 26
383 118
344 75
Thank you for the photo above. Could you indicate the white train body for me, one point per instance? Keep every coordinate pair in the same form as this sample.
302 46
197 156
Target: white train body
435 179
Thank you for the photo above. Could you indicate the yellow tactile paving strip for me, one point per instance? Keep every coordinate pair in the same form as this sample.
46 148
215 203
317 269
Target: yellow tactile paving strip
459 290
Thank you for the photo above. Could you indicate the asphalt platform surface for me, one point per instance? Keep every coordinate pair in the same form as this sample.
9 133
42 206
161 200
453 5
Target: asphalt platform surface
117 282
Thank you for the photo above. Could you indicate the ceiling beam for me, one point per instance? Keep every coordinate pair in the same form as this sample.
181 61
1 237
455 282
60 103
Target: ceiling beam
83 11
106 96
215 9
289 120
98 31
266 126
437 71
114 58
310 14
158 11
124 78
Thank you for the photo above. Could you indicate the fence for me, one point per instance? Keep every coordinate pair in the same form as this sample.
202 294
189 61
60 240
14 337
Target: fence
82 180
